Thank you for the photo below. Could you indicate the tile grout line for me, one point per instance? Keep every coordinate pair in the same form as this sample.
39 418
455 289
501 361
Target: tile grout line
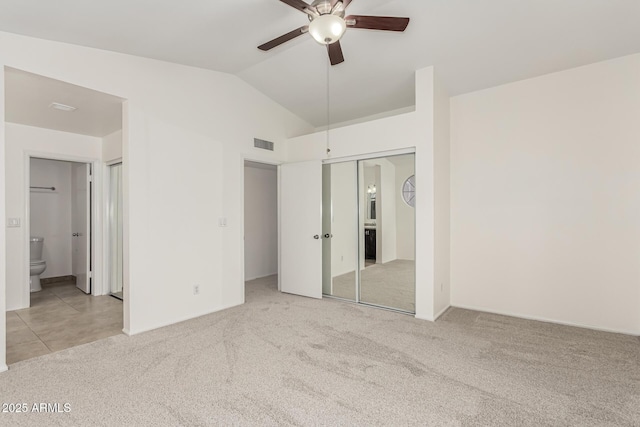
55 300
35 333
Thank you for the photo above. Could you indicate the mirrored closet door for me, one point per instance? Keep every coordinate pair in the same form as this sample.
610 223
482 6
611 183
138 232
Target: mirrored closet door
340 230
369 231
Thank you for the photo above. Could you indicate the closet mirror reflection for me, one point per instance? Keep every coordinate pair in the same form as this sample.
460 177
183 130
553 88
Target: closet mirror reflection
369 231
340 230
114 218
387 239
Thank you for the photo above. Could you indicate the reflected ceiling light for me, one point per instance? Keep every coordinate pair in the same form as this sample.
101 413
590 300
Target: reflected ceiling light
327 29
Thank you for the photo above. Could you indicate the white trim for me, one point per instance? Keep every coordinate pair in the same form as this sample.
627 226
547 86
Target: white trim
258 160
441 312
4 368
180 320
424 318
374 155
546 320
106 245
279 211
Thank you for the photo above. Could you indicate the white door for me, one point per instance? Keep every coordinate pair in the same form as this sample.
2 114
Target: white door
81 225
301 228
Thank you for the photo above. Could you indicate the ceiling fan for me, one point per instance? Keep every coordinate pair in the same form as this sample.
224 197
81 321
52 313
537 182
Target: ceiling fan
328 24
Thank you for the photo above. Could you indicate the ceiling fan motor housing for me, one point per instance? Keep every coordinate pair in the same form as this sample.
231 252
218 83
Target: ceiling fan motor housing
324 7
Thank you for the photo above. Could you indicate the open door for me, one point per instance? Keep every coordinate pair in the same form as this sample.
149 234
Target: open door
301 228
81 225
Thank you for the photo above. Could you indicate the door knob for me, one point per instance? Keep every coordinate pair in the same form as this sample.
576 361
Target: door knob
76 234
326 236
316 237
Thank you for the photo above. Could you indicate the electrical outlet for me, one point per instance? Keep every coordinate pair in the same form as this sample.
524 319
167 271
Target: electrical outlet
196 289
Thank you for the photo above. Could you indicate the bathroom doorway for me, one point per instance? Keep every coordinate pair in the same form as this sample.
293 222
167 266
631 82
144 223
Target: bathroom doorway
60 223
260 226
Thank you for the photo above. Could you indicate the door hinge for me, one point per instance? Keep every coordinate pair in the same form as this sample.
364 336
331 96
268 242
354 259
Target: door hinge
90 275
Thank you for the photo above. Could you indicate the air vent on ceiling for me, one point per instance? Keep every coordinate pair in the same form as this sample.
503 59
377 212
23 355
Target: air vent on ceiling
261 143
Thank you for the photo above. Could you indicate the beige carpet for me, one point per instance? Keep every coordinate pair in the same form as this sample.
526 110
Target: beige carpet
286 360
390 285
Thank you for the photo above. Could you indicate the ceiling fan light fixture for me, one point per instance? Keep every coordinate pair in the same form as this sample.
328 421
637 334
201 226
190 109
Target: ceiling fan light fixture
327 29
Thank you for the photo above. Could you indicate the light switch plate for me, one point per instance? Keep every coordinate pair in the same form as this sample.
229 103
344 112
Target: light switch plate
13 222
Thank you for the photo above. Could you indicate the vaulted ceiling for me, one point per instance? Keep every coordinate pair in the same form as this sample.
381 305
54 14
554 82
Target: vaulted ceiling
473 44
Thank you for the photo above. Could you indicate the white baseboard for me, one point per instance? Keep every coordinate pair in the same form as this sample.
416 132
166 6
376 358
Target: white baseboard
434 318
441 312
4 368
546 320
179 320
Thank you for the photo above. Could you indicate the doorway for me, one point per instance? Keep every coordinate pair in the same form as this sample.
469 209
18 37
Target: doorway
60 223
368 220
260 225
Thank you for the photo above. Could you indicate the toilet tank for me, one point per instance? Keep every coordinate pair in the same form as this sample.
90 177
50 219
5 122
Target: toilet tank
35 248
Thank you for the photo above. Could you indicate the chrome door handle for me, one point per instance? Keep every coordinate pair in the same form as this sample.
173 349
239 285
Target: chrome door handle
327 235
316 237
76 234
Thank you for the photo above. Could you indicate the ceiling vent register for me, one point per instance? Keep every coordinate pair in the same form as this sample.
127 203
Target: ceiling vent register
261 143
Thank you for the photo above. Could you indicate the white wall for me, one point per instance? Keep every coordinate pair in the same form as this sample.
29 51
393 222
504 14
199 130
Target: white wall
344 226
260 222
405 214
545 204
112 146
410 130
50 214
185 135
21 140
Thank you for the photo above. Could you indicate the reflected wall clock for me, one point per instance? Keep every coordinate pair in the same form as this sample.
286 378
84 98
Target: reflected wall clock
409 191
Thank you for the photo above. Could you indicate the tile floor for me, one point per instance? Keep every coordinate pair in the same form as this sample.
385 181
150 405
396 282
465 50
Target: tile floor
60 316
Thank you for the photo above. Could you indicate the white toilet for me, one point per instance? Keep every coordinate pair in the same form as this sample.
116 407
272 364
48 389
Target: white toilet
38 265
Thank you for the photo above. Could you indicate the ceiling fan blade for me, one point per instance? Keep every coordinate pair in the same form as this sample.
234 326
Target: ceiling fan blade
284 38
297 4
385 23
335 53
